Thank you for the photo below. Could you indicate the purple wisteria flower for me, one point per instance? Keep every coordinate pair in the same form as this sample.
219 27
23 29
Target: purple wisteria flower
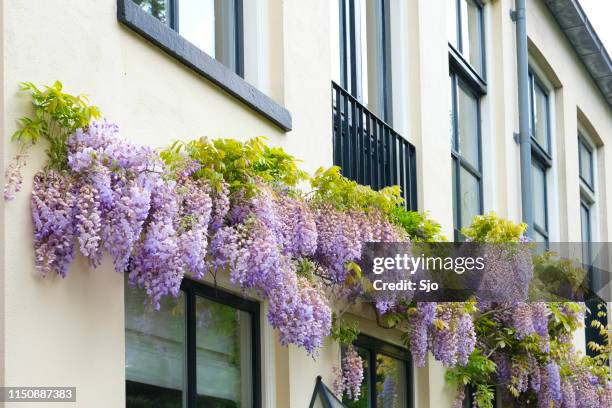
53 217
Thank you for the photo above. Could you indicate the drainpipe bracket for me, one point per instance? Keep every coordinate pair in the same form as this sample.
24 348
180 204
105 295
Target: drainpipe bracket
516 137
513 15
516 14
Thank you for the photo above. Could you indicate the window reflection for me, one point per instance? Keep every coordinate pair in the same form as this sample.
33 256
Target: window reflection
223 353
390 382
157 8
154 351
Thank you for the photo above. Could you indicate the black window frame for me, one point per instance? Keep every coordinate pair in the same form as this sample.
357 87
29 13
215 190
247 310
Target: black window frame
351 77
376 346
457 52
170 41
541 156
458 162
191 290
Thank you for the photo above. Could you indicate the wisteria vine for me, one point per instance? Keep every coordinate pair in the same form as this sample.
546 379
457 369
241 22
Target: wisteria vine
206 207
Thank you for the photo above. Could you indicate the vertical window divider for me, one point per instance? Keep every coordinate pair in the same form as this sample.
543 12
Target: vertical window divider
372 378
190 342
256 363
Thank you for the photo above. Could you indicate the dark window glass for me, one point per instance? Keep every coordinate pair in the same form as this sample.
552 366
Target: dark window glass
585 231
540 207
214 26
585 159
154 352
466 154
469 145
390 382
223 353
539 117
465 31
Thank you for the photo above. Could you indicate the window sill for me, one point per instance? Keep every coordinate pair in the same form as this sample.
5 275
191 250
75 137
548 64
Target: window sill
132 16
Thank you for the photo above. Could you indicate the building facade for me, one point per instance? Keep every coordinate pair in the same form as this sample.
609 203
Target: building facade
434 82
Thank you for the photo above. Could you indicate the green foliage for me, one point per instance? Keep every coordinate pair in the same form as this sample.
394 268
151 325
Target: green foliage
478 371
343 331
241 164
418 225
306 269
492 229
56 115
331 187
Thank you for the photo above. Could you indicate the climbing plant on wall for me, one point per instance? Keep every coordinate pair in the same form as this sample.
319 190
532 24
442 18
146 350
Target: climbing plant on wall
205 207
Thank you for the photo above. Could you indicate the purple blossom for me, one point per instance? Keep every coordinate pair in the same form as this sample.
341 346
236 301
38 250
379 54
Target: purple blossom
351 376
157 265
220 207
467 338
13 178
444 341
53 217
421 324
87 222
550 388
195 214
568 395
337 242
123 223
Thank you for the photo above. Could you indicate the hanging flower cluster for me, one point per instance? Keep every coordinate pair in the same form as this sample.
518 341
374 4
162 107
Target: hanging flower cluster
350 376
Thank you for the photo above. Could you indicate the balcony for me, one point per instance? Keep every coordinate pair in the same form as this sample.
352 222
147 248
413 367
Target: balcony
368 150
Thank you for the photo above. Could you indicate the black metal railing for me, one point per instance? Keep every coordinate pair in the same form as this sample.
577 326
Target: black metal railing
368 150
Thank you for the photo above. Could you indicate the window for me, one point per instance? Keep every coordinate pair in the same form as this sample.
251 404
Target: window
541 156
466 65
387 375
199 350
214 26
585 160
363 67
586 176
465 31
465 153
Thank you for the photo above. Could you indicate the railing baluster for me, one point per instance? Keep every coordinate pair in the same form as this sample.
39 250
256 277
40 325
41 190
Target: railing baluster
402 175
362 148
346 139
337 124
367 157
375 155
354 152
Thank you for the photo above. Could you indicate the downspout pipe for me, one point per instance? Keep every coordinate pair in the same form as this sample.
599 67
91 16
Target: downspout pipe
522 63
